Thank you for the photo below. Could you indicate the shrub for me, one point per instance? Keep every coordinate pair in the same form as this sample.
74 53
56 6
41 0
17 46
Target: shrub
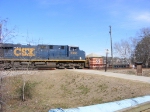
26 90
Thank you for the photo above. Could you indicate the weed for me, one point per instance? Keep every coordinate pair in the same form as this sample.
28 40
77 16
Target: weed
114 89
50 86
60 105
103 87
64 88
73 80
97 101
118 98
131 72
84 89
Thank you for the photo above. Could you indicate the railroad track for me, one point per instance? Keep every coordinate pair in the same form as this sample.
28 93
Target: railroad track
30 69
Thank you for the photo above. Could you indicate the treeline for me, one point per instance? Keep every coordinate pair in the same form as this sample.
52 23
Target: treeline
136 49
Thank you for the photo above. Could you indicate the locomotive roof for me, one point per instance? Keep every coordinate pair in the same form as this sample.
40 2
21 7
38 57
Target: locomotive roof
73 46
16 45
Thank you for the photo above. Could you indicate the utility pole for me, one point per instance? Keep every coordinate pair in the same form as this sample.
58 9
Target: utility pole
0 33
111 47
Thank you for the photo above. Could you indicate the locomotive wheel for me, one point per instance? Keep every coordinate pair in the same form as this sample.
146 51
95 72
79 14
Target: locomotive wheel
71 65
80 65
7 65
60 65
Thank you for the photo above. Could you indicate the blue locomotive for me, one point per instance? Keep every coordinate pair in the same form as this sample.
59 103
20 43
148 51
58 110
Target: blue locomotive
37 56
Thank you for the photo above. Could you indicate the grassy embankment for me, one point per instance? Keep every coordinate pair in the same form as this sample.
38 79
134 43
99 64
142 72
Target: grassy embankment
67 89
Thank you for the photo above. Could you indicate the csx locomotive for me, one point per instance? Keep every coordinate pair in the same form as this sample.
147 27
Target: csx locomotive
16 56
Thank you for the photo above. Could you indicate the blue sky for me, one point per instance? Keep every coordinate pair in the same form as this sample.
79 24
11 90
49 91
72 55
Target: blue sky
84 23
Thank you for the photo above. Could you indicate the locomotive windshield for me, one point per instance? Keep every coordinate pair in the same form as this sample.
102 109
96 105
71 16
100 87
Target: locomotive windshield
74 48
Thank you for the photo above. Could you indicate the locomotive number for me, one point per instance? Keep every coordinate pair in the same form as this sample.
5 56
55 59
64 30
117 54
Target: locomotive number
73 52
24 52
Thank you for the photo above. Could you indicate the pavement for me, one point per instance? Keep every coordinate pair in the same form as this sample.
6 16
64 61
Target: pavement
116 75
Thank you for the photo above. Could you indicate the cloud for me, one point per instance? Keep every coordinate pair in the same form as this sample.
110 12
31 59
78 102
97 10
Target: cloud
135 19
141 17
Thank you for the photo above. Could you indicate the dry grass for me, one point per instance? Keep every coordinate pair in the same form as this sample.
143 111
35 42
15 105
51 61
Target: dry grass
67 89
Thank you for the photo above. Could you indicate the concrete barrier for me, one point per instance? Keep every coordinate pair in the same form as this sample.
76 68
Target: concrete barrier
107 107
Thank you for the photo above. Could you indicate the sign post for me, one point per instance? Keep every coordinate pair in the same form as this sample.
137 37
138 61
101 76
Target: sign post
106 60
139 68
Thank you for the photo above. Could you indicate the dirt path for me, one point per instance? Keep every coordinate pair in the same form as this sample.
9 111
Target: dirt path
117 75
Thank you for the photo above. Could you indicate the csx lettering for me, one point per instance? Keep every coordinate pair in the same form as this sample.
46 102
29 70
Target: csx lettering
24 52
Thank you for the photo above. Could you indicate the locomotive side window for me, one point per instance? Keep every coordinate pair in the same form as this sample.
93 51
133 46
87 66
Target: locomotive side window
7 49
50 47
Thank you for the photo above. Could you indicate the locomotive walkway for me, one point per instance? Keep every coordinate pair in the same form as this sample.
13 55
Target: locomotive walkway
116 75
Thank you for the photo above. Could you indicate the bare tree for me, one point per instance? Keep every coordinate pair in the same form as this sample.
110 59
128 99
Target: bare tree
6 34
123 49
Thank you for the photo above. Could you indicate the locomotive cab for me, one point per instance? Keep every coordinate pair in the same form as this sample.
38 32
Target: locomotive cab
75 53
